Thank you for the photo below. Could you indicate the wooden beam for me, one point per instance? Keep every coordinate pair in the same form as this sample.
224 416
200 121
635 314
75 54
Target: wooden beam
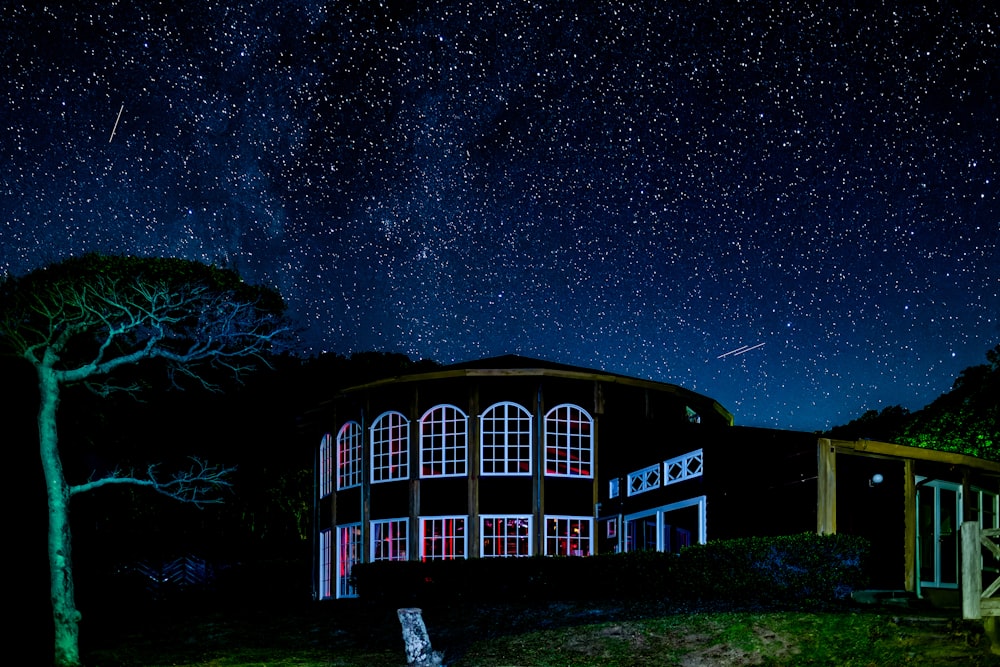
872 447
826 494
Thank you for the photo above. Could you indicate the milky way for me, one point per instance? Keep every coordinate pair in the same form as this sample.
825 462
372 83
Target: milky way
641 187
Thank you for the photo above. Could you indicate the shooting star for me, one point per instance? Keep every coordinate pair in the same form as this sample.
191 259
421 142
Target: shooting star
740 350
116 123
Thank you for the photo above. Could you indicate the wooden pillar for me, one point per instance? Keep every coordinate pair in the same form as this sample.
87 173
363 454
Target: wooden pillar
474 455
826 492
538 475
971 571
909 527
970 512
414 547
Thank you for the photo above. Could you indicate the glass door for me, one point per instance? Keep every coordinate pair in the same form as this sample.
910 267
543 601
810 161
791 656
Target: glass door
641 533
939 511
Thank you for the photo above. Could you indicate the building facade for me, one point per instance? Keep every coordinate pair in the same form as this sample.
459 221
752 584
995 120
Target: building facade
516 457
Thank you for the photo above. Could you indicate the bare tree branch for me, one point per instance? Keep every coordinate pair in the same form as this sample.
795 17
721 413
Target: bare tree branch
199 485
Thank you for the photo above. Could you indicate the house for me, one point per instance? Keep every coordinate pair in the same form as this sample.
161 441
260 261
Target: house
511 457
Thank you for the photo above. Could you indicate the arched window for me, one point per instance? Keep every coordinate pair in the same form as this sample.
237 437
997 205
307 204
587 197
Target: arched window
505 435
390 447
326 466
569 442
349 455
443 448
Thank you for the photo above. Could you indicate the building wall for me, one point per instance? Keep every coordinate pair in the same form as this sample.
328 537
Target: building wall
544 512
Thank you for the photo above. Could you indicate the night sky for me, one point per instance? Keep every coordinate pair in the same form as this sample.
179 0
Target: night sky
790 207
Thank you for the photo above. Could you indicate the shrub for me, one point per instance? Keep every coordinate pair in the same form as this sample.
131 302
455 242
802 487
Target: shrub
752 570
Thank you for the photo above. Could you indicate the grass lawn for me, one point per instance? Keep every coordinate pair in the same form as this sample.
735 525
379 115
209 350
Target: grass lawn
350 633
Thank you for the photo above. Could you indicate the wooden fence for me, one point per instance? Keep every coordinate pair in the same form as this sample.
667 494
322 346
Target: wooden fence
978 602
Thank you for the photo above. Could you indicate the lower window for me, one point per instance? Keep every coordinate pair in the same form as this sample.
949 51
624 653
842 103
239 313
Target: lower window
568 535
504 536
325 564
442 538
389 539
348 554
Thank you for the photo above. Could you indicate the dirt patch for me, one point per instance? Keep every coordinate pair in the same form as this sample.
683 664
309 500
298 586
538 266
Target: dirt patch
772 645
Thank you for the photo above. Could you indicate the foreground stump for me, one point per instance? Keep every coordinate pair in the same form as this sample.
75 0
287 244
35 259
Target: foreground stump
418 644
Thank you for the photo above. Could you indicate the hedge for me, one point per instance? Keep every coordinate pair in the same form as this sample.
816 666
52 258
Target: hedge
793 568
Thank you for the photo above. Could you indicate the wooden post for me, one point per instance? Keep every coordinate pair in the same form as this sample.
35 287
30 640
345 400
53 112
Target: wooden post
826 492
909 527
418 643
972 576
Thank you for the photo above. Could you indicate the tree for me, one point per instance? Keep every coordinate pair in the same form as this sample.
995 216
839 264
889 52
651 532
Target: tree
964 420
89 320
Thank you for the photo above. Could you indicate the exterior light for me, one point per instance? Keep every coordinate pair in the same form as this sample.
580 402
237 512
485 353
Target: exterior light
875 480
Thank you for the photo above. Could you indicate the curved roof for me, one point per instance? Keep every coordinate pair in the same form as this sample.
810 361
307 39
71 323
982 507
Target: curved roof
513 365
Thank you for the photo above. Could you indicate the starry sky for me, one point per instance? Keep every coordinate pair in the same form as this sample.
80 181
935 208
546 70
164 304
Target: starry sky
792 207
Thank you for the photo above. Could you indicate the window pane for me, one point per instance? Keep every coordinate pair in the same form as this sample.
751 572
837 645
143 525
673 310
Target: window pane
349 455
443 442
390 447
506 440
348 553
505 536
389 539
326 466
443 538
567 536
568 442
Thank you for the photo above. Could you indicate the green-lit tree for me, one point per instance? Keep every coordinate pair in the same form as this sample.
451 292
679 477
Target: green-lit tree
966 419
88 320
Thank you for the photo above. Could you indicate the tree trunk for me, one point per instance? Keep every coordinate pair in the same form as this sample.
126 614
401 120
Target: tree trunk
418 644
64 613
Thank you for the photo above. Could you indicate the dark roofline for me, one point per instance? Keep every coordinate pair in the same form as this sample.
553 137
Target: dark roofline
513 365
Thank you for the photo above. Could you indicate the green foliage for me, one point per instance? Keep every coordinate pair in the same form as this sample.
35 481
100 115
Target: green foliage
755 570
965 420
789 568
88 316
134 270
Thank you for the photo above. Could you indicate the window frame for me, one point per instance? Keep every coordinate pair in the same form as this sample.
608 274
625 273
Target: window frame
522 416
325 564
684 467
398 541
382 460
643 480
348 555
561 444
445 539
349 459
659 514
554 537
437 441
326 466
503 519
